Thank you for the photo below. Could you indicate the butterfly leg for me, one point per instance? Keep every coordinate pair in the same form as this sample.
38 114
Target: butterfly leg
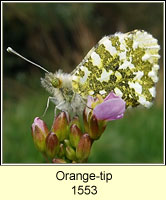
48 102
60 105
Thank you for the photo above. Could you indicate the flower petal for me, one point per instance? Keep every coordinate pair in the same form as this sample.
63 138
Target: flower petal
110 109
88 109
111 95
90 100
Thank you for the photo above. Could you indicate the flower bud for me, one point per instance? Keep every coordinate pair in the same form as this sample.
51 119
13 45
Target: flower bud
96 127
58 160
75 135
61 126
39 133
61 152
94 131
83 148
67 142
76 121
52 145
70 153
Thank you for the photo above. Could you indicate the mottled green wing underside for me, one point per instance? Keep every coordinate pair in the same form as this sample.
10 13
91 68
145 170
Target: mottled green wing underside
124 63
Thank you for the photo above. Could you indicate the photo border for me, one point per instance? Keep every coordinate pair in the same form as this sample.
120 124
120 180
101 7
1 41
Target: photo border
82 164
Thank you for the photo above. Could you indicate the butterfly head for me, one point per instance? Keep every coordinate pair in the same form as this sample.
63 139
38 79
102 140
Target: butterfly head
59 85
56 81
52 80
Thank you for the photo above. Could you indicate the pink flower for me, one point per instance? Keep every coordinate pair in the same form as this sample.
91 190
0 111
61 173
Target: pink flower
112 108
39 133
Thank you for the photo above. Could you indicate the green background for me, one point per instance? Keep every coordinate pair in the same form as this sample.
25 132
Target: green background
58 36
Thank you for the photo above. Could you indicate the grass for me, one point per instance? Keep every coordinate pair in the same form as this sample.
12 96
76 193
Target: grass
18 145
137 138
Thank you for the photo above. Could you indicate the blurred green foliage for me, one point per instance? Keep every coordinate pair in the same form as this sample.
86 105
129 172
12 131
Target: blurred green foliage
58 36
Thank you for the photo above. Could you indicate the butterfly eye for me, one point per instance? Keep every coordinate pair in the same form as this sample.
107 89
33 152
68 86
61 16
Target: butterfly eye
55 82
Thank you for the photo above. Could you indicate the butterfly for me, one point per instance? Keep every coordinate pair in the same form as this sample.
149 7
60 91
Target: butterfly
125 63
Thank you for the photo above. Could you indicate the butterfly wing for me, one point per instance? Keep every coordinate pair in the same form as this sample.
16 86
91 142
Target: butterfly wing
124 63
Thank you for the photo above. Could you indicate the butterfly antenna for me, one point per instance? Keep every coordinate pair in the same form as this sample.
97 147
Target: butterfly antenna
10 50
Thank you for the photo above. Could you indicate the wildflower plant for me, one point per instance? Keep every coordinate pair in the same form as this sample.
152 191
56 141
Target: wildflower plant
66 142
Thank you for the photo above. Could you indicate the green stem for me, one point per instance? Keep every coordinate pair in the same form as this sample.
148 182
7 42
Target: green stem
46 158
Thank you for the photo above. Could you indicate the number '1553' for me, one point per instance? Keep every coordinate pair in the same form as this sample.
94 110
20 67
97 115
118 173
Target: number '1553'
87 189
